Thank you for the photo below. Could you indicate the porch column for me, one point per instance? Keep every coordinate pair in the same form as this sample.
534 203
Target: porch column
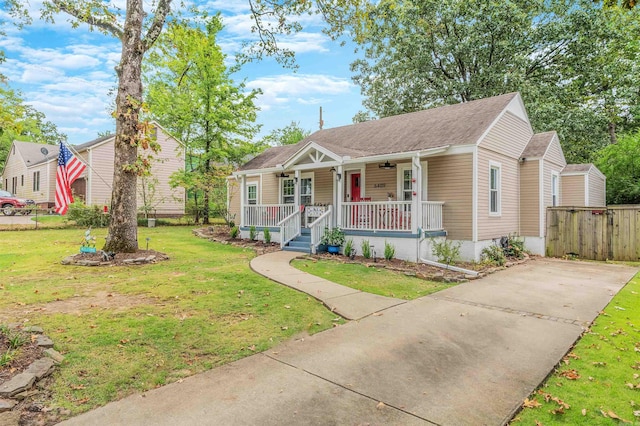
339 195
243 196
296 185
416 200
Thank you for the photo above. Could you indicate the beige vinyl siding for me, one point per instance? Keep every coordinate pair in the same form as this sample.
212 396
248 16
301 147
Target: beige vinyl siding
269 190
548 170
323 186
507 222
233 190
15 167
572 192
450 180
379 182
169 160
47 182
101 174
509 136
554 153
530 198
597 190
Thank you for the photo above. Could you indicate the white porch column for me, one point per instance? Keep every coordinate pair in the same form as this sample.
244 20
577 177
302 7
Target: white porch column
243 196
416 200
339 195
296 182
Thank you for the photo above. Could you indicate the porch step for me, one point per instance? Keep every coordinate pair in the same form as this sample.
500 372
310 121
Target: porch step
301 243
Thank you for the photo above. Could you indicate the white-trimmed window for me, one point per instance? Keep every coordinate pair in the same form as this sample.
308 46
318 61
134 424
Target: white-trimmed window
555 192
252 193
405 183
494 189
306 191
288 191
36 181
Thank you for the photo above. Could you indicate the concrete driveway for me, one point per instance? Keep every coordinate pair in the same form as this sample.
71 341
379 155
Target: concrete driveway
468 355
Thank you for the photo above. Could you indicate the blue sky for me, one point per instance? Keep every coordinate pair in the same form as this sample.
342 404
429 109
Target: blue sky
68 74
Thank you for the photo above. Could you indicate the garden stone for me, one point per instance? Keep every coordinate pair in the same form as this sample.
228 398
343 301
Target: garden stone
17 384
6 404
44 341
41 367
33 329
26 394
10 418
56 356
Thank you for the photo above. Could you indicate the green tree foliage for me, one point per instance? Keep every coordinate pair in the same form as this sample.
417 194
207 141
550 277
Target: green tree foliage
288 135
574 62
620 163
22 122
191 93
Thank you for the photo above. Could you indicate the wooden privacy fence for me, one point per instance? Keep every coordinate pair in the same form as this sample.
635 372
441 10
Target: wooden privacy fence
597 233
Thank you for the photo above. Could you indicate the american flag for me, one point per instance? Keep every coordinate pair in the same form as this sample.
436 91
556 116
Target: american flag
69 169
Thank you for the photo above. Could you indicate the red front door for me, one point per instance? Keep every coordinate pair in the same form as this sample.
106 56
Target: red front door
355 187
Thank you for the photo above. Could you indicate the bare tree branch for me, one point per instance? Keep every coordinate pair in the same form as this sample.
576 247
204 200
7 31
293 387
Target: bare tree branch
108 25
163 9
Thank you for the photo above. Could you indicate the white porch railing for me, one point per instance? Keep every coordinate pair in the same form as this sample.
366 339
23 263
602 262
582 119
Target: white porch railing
377 216
289 228
266 215
318 226
432 215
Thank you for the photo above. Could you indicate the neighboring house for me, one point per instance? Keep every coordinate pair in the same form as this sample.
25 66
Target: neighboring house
473 172
30 172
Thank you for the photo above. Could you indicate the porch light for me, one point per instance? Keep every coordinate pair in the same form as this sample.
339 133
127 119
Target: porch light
387 165
333 170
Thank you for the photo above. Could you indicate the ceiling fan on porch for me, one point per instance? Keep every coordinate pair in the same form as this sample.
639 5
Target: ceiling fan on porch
387 165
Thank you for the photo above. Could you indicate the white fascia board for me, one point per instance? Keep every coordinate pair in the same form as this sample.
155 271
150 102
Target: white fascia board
305 149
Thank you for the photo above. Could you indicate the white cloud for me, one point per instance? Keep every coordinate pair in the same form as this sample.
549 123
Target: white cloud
304 89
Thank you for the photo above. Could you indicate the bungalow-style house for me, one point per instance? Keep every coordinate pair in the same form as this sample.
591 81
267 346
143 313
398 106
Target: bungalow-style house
30 172
471 172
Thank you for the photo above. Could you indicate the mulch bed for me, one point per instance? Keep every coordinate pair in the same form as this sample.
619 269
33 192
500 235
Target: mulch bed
120 259
421 270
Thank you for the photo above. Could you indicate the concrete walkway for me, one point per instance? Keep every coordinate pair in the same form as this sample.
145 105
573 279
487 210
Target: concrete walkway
345 301
468 355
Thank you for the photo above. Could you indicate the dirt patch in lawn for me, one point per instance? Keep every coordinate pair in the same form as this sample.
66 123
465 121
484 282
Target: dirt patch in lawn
77 304
100 258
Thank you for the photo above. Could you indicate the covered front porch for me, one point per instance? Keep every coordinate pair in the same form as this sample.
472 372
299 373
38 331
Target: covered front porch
383 197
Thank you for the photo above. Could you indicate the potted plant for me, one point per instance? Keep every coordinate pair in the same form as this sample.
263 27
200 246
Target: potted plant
333 238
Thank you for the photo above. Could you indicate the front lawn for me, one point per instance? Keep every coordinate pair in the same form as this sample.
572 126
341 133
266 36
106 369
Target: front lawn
132 328
598 382
376 280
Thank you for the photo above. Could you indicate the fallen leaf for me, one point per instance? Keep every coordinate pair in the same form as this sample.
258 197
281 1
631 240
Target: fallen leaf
531 403
287 307
570 374
77 387
82 401
584 411
252 348
284 328
377 314
636 413
380 405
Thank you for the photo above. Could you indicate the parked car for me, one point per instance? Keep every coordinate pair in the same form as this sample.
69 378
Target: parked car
11 204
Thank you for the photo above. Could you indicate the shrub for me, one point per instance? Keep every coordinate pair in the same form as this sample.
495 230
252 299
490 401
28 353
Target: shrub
494 255
349 250
389 251
446 251
253 233
234 232
332 237
366 249
267 235
89 216
512 246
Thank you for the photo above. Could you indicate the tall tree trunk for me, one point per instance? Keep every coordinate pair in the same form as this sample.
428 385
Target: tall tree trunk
612 133
207 170
123 236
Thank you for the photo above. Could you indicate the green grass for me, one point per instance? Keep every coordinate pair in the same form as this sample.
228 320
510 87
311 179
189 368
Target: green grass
202 308
371 279
607 361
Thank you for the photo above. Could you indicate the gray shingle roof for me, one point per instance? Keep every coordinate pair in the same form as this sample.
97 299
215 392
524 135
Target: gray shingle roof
458 124
32 154
577 168
538 144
